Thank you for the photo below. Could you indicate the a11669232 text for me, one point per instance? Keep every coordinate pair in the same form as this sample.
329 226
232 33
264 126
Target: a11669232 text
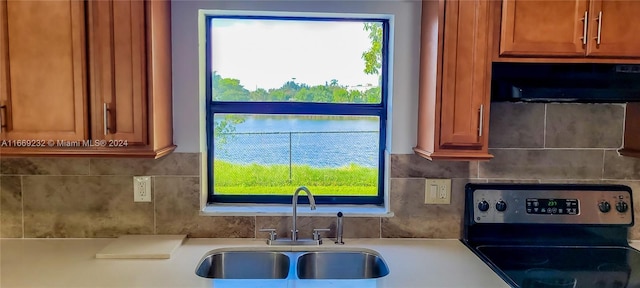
40 143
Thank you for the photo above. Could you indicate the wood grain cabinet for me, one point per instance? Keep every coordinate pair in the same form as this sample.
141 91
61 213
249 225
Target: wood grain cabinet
115 96
570 28
455 75
42 70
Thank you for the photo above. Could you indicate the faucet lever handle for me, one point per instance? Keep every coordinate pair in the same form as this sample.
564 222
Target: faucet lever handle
316 232
272 233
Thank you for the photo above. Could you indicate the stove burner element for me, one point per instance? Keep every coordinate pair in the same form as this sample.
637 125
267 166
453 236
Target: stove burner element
548 278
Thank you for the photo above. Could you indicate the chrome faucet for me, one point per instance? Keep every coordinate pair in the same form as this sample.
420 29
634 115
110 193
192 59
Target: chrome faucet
294 203
273 238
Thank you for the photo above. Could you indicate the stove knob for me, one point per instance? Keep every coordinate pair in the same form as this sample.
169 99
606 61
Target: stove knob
501 206
604 206
622 206
483 206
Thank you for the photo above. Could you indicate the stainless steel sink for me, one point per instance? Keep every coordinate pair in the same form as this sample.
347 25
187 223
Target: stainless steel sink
244 265
341 265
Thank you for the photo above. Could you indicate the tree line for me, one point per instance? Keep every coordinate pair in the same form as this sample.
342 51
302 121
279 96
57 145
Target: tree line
229 89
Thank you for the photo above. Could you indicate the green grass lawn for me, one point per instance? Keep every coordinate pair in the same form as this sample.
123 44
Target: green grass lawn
255 179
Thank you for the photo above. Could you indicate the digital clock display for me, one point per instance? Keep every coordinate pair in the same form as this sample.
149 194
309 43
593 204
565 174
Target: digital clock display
552 206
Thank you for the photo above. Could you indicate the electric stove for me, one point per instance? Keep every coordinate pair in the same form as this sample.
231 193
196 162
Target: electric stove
547 235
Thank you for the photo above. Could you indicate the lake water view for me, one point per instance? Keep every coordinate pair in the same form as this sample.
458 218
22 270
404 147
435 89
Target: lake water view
309 140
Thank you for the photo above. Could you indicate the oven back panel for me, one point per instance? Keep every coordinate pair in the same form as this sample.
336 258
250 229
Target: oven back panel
547 214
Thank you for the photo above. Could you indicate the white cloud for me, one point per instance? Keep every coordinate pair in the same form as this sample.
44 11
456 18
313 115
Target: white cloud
267 53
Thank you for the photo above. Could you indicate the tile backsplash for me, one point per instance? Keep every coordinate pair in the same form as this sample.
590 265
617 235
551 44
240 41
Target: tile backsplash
539 143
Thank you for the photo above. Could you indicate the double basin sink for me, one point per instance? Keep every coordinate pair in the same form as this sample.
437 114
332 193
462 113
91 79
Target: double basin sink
333 264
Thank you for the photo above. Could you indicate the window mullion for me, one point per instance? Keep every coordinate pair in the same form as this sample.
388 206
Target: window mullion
296 108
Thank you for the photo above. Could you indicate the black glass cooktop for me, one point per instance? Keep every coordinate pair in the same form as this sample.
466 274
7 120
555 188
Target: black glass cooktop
565 266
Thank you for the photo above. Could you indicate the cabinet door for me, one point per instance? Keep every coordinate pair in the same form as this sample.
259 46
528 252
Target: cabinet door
544 28
614 29
464 104
118 70
42 56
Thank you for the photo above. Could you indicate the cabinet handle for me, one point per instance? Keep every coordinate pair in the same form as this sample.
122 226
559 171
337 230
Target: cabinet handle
481 122
599 19
584 28
105 115
3 120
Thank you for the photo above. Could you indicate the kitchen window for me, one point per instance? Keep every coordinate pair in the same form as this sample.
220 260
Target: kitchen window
296 101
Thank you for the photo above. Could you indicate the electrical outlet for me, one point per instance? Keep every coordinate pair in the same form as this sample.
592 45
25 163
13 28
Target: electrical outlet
437 191
141 189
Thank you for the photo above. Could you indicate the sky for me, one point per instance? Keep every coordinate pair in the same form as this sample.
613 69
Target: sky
267 53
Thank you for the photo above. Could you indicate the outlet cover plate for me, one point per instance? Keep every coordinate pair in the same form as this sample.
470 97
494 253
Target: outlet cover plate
437 191
141 189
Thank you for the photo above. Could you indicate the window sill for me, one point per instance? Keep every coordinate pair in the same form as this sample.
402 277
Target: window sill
285 210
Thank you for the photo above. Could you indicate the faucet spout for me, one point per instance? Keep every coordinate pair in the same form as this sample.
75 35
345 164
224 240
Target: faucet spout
294 204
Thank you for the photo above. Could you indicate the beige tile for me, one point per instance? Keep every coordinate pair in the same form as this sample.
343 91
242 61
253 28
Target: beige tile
411 165
445 228
172 164
10 207
44 166
357 227
620 167
177 212
543 164
516 125
584 125
354 227
113 211
83 206
414 219
283 225
54 207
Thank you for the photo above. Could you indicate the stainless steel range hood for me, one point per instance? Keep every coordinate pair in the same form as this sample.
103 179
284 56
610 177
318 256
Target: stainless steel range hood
587 83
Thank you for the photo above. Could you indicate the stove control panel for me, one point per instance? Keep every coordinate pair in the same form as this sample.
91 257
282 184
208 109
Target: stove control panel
552 206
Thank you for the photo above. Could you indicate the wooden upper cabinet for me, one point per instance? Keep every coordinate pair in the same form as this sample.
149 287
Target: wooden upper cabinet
614 30
549 28
570 28
108 84
130 67
455 75
42 70
118 70
464 82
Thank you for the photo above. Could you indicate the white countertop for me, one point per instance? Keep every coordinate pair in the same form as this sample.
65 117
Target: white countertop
416 263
